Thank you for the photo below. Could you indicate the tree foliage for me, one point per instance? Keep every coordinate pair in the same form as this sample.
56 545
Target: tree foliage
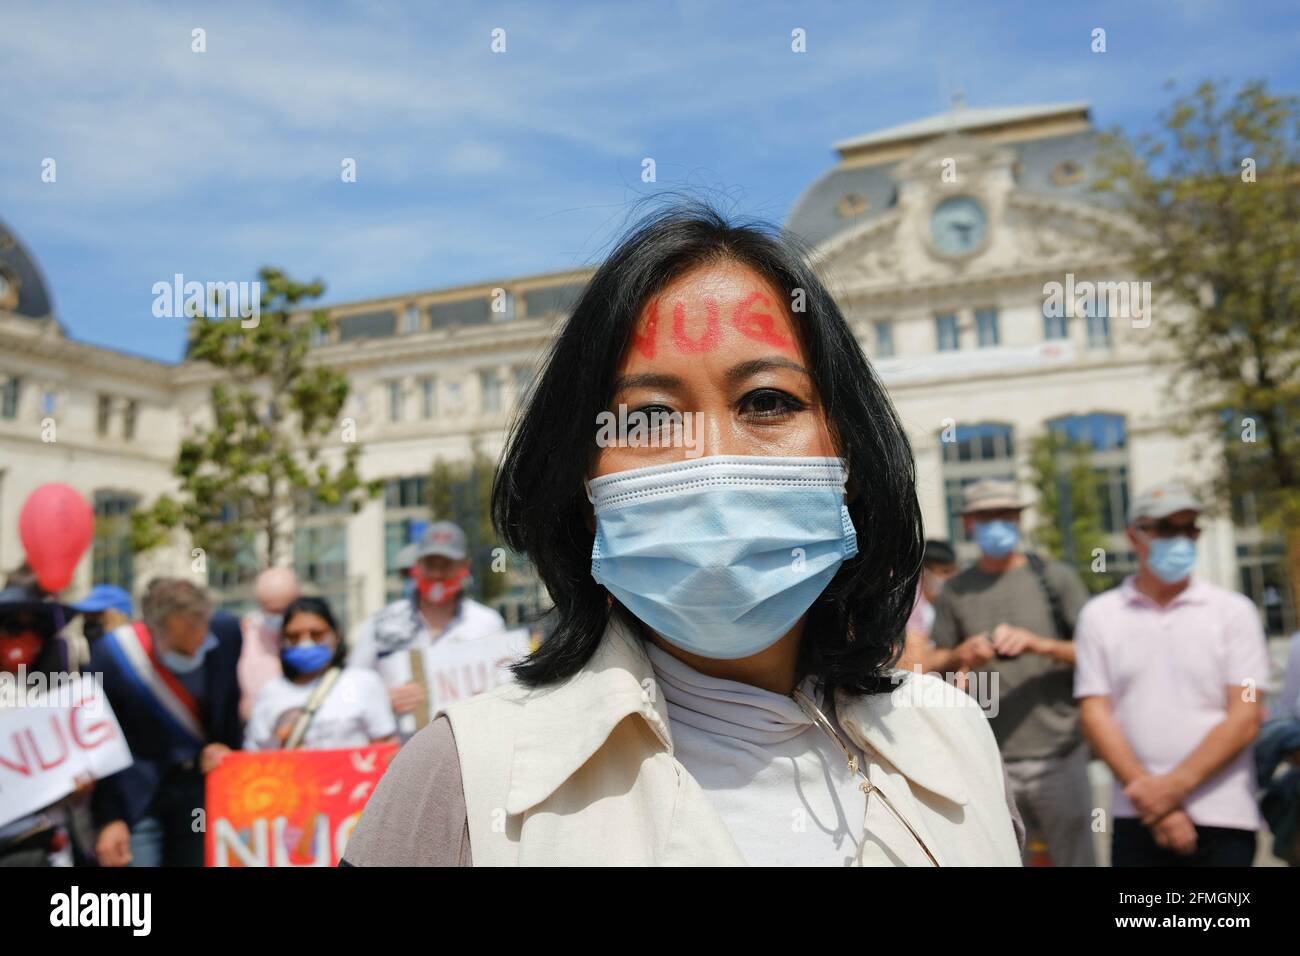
274 413
1214 192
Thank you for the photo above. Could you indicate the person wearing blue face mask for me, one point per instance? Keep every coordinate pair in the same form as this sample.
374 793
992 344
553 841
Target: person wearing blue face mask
1169 678
173 683
1009 617
318 704
732 574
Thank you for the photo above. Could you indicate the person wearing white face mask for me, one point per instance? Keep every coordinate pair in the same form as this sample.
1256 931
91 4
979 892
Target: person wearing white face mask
731 586
1169 676
1009 618
173 683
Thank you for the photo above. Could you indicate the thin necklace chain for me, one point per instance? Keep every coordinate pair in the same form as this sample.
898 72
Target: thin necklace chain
866 786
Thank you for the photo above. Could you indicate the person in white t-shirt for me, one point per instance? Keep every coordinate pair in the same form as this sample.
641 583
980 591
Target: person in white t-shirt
354 711
464 644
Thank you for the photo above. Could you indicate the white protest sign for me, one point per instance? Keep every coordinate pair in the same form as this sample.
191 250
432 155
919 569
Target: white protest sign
51 740
455 668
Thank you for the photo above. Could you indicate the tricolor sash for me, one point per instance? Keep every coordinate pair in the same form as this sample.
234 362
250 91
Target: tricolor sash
157 687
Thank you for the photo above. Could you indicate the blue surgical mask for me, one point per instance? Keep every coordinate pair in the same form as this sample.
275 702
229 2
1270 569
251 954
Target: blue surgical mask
179 663
722 555
308 659
997 539
1172 559
273 622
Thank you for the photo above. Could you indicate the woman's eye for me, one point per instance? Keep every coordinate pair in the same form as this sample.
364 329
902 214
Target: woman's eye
656 417
770 403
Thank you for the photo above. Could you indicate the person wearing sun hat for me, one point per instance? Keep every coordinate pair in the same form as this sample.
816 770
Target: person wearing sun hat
1010 617
1168 680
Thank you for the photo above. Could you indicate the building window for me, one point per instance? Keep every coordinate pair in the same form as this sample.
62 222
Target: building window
945 332
396 399
103 415
129 417
1098 318
112 561
986 328
490 385
973 453
411 320
319 336
406 512
9 397
1107 436
320 559
1054 326
884 339
1262 567
429 396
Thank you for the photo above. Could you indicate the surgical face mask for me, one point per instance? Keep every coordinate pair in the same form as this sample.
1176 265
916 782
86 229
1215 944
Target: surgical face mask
180 663
19 649
306 658
997 539
273 622
440 590
1172 559
721 556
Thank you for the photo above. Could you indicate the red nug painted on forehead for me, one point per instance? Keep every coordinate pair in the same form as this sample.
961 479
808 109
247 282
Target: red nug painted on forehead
759 326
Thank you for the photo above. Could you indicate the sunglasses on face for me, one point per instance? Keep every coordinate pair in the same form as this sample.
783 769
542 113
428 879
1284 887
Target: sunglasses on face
1170 529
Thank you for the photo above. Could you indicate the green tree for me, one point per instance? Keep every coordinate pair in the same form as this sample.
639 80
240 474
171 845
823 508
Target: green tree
1068 525
274 410
1214 193
462 492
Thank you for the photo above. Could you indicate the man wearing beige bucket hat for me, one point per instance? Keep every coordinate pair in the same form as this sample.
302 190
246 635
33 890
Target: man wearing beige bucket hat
1010 617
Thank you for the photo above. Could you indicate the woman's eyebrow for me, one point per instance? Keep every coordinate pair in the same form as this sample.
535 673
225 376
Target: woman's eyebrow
646 380
738 373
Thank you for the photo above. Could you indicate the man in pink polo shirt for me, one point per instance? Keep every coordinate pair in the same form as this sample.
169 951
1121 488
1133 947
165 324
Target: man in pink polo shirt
1168 676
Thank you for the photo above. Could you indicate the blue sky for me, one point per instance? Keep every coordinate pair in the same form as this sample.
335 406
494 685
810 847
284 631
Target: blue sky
473 165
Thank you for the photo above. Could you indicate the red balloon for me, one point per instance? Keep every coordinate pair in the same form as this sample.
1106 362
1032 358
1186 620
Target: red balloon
56 526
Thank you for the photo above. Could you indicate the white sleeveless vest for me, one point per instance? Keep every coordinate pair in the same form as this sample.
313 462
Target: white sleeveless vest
583 773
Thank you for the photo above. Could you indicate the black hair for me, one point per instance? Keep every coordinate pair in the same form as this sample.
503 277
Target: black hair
306 604
854 630
939 552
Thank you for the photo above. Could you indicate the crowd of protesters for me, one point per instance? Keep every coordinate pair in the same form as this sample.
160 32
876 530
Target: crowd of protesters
189 684
1163 678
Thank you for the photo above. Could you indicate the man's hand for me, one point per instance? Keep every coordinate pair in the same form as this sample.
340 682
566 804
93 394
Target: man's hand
211 756
1176 831
1153 796
406 697
113 846
975 651
1011 641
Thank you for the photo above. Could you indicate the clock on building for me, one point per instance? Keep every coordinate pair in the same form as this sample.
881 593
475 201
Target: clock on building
958 226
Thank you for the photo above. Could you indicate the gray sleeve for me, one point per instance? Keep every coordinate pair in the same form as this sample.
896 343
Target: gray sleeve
416 816
946 632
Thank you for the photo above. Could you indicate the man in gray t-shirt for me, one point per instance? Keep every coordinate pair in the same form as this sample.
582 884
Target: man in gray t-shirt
996 618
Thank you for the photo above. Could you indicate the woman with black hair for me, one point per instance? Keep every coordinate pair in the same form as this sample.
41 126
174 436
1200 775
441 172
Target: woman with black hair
318 704
719 497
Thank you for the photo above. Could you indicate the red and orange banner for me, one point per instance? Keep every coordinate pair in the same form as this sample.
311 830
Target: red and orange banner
289 808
